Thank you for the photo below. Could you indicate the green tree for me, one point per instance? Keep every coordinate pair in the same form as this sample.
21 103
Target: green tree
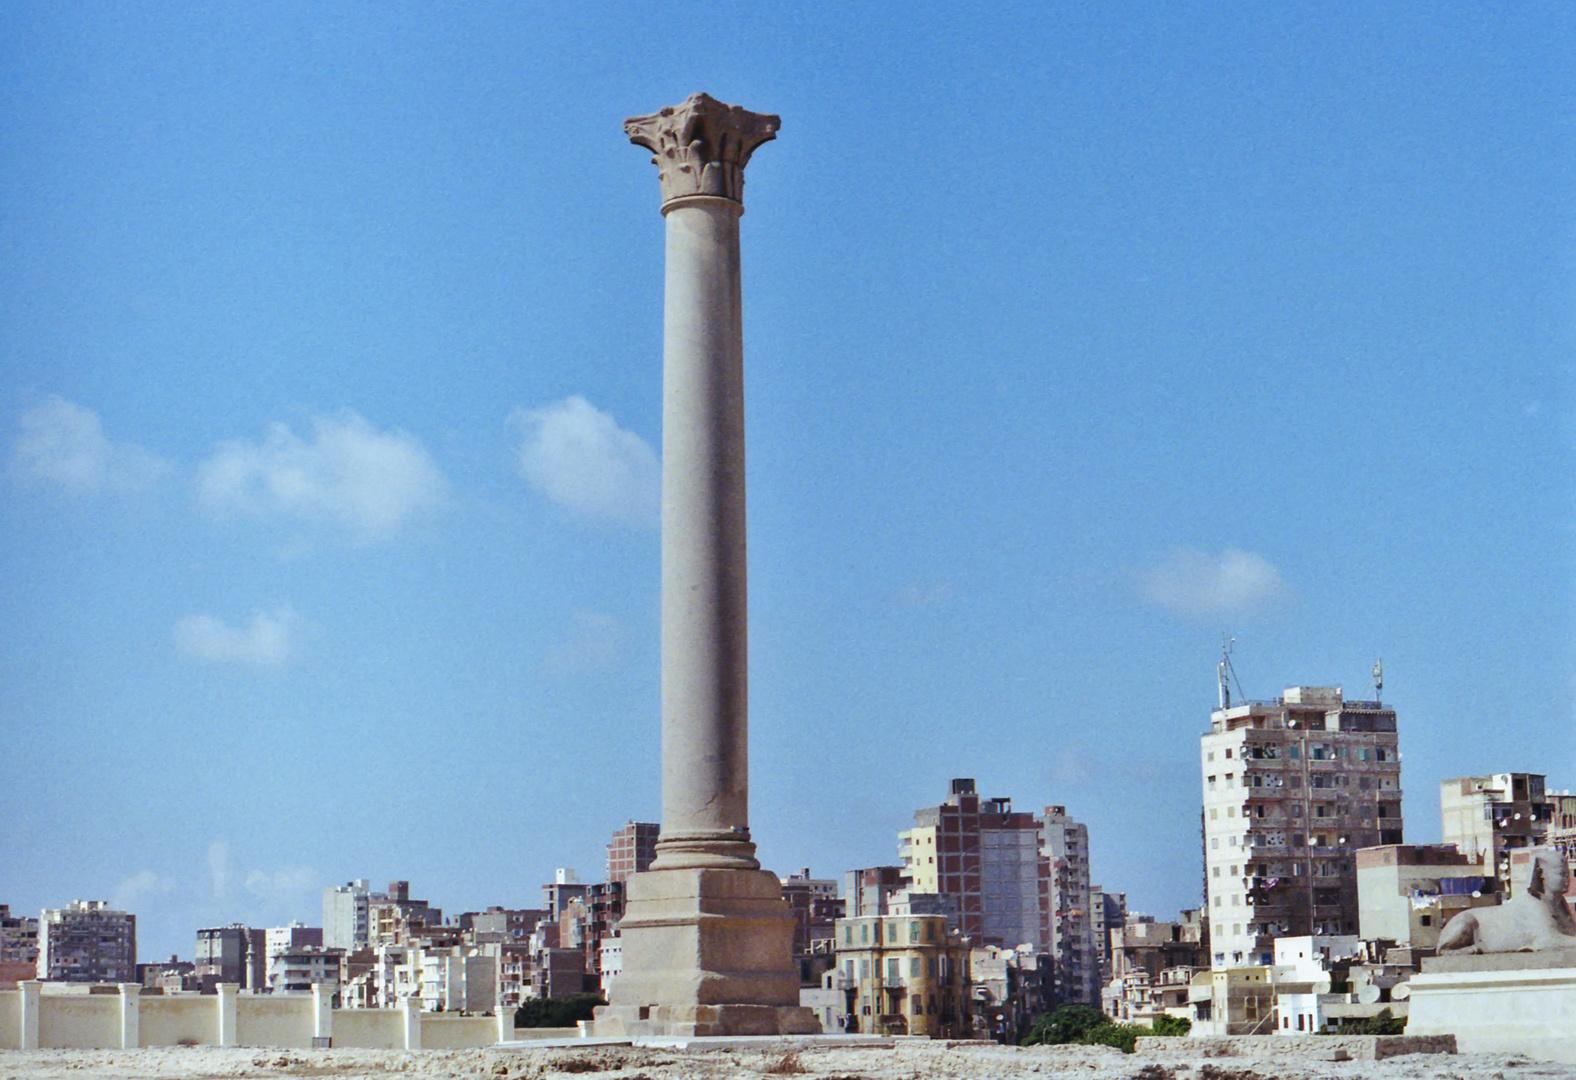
556 1012
1065 1024
1166 1024
1385 1023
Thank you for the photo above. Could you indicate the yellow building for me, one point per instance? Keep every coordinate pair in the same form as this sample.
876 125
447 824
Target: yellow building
907 975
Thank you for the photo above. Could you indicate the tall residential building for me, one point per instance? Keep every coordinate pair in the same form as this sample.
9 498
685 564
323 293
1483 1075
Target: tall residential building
632 849
1292 788
231 954
345 915
1107 914
987 857
1493 815
1065 843
87 942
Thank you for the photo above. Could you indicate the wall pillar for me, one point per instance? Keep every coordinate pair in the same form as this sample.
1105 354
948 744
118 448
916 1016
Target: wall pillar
31 992
505 1023
322 1011
225 1002
130 1015
410 1021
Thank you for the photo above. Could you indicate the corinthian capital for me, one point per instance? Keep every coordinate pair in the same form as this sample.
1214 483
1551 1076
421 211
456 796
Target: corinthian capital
701 146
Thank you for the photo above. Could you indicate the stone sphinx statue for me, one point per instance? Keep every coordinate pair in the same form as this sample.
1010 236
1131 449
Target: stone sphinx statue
1534 920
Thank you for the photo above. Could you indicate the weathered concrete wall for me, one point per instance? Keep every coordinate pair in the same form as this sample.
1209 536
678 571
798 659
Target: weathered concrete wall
275 1020
10 1019
369 1029
1316 1047
171 1021
440 1031
79 1021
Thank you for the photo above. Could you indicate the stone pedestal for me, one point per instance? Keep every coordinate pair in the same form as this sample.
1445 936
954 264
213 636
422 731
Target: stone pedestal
706 952
1506 1002
707 936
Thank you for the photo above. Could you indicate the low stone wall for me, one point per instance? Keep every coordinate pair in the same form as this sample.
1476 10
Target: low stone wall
440 1031
369 1029
125 1017
177 1021
1313 1047
79 1021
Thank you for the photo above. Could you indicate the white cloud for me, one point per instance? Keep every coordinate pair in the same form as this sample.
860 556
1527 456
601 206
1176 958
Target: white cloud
219 867
579 457
349 475
1198 585
63 444
269 640
282 886
594 643
142 883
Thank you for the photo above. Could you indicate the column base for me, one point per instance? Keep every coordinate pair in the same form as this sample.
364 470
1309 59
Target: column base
706 952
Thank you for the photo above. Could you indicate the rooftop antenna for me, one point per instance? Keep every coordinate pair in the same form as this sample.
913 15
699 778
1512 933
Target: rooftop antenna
1378 680
1226 673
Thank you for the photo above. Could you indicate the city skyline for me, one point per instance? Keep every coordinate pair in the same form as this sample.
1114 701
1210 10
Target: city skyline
1075 341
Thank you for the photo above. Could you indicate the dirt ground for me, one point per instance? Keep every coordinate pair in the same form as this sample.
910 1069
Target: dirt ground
912 1061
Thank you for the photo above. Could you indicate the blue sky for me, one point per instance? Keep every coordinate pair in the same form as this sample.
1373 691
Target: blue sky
1076 337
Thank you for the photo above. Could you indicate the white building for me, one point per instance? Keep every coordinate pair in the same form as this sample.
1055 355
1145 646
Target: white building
345 915
1292 788
298 969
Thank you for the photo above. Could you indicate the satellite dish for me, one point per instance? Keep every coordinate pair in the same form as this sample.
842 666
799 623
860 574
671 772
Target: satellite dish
1400 992
1368 995
1321 986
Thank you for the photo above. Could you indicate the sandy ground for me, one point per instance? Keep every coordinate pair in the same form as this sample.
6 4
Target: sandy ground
906 1062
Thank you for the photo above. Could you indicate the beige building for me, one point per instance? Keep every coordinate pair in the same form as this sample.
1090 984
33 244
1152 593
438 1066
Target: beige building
1292 789
1495 815
1233 1001
907 975
1406 893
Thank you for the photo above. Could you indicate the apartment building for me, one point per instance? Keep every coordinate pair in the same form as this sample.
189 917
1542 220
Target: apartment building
18 938
904 975
297 968
1107 914
631 850
867 891
1291 789
230 954
1065 844
986 856
346 915
1406 893
87 941
1495 815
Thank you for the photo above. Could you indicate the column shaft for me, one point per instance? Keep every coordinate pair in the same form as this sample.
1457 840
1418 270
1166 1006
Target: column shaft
705 713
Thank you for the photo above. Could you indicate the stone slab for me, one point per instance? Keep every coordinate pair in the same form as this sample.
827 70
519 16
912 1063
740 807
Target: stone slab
767 1042
1514 961
570 1043
1309 1047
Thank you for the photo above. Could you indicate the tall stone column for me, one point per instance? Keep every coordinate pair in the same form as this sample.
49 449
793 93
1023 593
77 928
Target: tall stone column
707 937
